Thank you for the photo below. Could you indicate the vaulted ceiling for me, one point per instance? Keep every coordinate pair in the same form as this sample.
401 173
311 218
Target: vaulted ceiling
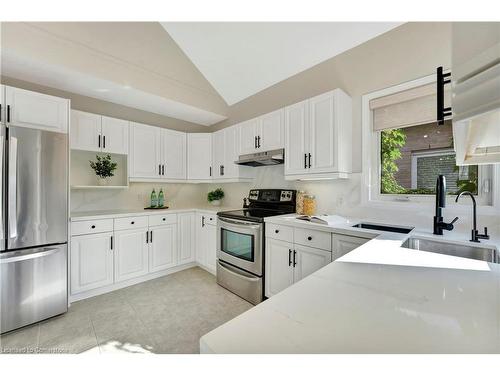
240 59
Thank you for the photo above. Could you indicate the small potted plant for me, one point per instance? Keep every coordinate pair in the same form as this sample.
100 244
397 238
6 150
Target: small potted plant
214 197
104 168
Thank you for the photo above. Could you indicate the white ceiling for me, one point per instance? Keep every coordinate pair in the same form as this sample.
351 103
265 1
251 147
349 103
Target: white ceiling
241 59
60 77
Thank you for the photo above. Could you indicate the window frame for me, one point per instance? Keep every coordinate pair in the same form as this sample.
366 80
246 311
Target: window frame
371 164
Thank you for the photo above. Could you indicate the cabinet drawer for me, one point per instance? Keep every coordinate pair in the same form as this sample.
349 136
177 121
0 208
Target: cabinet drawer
313 238
91 226
279 232
155 220
210 219
131 222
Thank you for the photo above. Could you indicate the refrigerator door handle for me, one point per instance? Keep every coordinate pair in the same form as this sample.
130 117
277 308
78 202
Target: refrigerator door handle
11 258
12 201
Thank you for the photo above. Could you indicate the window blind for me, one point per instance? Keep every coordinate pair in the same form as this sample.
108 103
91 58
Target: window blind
411 107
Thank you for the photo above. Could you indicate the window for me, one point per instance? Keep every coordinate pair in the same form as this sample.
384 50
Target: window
404 150
412 157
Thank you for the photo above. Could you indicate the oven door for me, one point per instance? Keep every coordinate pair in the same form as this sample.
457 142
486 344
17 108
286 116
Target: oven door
239 243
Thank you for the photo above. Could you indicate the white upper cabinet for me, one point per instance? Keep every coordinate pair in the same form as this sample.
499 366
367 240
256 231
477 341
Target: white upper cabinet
219 153
34 110
145 151
156 153
91 132
318 137
173 155
114 135
296 138
475 74
271 131
263 133
248 136
85 131
199 156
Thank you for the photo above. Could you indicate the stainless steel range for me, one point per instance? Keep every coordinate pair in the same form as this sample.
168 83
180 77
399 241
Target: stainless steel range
240 241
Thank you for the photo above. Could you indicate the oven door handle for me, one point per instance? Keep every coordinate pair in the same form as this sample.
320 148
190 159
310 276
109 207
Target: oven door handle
238 222
236 272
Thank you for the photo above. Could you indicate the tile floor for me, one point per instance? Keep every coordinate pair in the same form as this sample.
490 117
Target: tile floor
164 315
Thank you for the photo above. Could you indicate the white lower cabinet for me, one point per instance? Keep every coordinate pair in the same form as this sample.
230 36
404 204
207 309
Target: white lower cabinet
309 260
279 276
186 237
91 261
287 263
131 254
162 247
206 241
343 244
107 254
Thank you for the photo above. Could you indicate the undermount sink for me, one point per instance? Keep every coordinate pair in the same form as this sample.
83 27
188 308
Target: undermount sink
384 228
465 251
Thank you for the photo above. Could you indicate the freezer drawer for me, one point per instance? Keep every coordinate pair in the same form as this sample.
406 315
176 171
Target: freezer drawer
33 285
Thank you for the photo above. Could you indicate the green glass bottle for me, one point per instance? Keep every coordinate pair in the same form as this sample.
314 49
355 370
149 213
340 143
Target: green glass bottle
161 198
154 199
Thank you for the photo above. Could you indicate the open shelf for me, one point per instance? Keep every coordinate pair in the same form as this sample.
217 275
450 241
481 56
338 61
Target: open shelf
84 178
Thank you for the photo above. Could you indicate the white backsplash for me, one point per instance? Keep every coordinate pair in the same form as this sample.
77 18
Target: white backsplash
343 197
137 196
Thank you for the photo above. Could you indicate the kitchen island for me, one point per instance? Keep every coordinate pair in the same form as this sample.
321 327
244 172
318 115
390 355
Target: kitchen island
379 298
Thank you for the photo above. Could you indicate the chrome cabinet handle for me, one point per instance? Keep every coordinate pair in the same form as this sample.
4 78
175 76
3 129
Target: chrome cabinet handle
12 204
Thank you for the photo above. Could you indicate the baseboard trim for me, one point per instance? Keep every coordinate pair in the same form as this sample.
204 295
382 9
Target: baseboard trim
141 279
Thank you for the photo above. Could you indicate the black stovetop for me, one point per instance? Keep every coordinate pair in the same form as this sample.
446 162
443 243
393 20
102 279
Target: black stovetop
264 203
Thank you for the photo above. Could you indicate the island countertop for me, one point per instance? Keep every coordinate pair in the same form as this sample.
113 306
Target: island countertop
379 298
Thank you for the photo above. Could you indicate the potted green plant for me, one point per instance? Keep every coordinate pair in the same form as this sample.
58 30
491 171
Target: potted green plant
104 168
214 197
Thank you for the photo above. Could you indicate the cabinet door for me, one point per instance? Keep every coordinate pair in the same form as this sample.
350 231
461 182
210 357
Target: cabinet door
296 138
199 156
114 135
218 158
187 237
248 134
2 105
210 237
232 152
344 244
271 131
174 154
309 260
162 247
145 151
85 131
131 254
91 262
279 270
323 132
201 243
34 110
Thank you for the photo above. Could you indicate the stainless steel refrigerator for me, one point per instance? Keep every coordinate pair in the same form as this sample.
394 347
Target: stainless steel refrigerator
33 225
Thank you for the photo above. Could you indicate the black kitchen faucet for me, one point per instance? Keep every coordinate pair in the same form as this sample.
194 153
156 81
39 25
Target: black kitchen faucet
439 224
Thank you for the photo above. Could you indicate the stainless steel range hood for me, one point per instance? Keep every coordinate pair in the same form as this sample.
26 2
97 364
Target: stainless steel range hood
261 159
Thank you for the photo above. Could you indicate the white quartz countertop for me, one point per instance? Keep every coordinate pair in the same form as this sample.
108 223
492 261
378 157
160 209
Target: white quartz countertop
379 298
110 214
